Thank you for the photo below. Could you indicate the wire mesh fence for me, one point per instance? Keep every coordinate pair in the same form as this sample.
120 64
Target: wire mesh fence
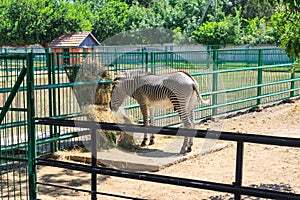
233 79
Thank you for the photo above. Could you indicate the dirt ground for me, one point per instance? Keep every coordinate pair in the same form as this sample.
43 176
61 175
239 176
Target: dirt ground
265 166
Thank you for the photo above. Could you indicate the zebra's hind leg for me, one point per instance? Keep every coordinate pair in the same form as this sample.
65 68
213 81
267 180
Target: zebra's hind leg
189 145
184 146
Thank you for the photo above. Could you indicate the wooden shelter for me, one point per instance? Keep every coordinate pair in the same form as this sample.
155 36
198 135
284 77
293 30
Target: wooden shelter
72 43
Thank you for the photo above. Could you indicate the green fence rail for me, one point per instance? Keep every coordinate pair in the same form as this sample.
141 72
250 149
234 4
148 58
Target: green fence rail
41 85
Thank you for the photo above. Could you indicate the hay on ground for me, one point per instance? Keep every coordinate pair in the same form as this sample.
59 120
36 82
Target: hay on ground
107 138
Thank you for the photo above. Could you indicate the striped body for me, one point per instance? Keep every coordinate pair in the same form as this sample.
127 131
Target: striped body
176 90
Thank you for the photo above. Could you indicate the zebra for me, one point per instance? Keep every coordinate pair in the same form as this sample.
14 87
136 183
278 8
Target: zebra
177 90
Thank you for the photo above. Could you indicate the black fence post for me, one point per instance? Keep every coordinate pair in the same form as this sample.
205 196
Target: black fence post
94 164
239 167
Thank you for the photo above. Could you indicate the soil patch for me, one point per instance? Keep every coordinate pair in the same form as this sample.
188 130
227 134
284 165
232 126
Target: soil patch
265 166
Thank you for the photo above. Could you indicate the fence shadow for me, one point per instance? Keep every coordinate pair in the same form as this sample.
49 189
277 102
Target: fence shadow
273 187
65 177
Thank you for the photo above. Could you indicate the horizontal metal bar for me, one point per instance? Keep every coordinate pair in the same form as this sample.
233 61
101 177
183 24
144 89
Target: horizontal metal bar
8 158
45 140
239 69
67 116
13 56
16 109
248 99
55 86
221 187
12 124
221 135
64 85
62 137
252 86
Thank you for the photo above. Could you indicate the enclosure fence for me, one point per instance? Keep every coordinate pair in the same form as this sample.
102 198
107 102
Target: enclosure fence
40 85
235 188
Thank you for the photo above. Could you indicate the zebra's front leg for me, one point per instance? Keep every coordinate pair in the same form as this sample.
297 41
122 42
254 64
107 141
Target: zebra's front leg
152 137
144 140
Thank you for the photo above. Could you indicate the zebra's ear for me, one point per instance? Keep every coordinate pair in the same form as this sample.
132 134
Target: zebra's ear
116 83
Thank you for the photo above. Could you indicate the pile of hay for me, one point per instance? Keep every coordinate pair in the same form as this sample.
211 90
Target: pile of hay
94 101
100 112
106 138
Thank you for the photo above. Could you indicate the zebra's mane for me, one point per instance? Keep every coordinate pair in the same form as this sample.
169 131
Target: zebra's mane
132 74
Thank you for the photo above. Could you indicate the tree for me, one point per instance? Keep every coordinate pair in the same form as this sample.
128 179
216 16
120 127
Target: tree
144 3
249 9
287 19
226 31
258 32
110 19
27 22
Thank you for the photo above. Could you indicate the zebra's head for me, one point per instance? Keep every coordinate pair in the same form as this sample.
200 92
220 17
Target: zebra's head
125 85
118 94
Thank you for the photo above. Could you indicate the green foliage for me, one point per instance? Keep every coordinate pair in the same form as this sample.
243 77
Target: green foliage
110 19
250 9
227 31
287 22
144 3
40 21
258 32
214 33
25 22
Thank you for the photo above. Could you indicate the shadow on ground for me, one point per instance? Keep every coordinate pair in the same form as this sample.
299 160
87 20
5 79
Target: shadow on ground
62 177
273 187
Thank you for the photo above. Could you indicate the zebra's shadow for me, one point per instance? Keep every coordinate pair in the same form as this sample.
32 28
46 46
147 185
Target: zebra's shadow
156 153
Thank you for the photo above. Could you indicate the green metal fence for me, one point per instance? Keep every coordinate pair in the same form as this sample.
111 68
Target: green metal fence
41 85
16 129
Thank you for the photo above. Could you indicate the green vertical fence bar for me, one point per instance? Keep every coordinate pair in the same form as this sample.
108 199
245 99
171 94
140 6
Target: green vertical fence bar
143 59
207 57
292 93
55 66
259 76
49 64
147 61
32 169
215 82
152 55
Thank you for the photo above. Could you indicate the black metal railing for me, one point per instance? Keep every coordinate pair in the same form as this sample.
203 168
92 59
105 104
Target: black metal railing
236 188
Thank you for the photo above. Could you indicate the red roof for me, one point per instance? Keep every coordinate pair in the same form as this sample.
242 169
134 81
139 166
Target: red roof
74 39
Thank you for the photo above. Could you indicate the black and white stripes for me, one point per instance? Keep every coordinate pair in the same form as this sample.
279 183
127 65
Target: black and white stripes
176 90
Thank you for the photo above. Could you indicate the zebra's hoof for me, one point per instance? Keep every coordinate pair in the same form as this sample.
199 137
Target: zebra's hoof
189 149
143 143
182 151
151 142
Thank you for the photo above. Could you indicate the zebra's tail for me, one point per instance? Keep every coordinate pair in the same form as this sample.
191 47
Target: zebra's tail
200 96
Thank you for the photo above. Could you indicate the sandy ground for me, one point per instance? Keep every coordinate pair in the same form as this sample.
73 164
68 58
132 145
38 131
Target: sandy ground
269 167
265 166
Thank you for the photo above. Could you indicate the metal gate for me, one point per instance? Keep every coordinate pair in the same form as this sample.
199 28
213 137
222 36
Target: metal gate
17 150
